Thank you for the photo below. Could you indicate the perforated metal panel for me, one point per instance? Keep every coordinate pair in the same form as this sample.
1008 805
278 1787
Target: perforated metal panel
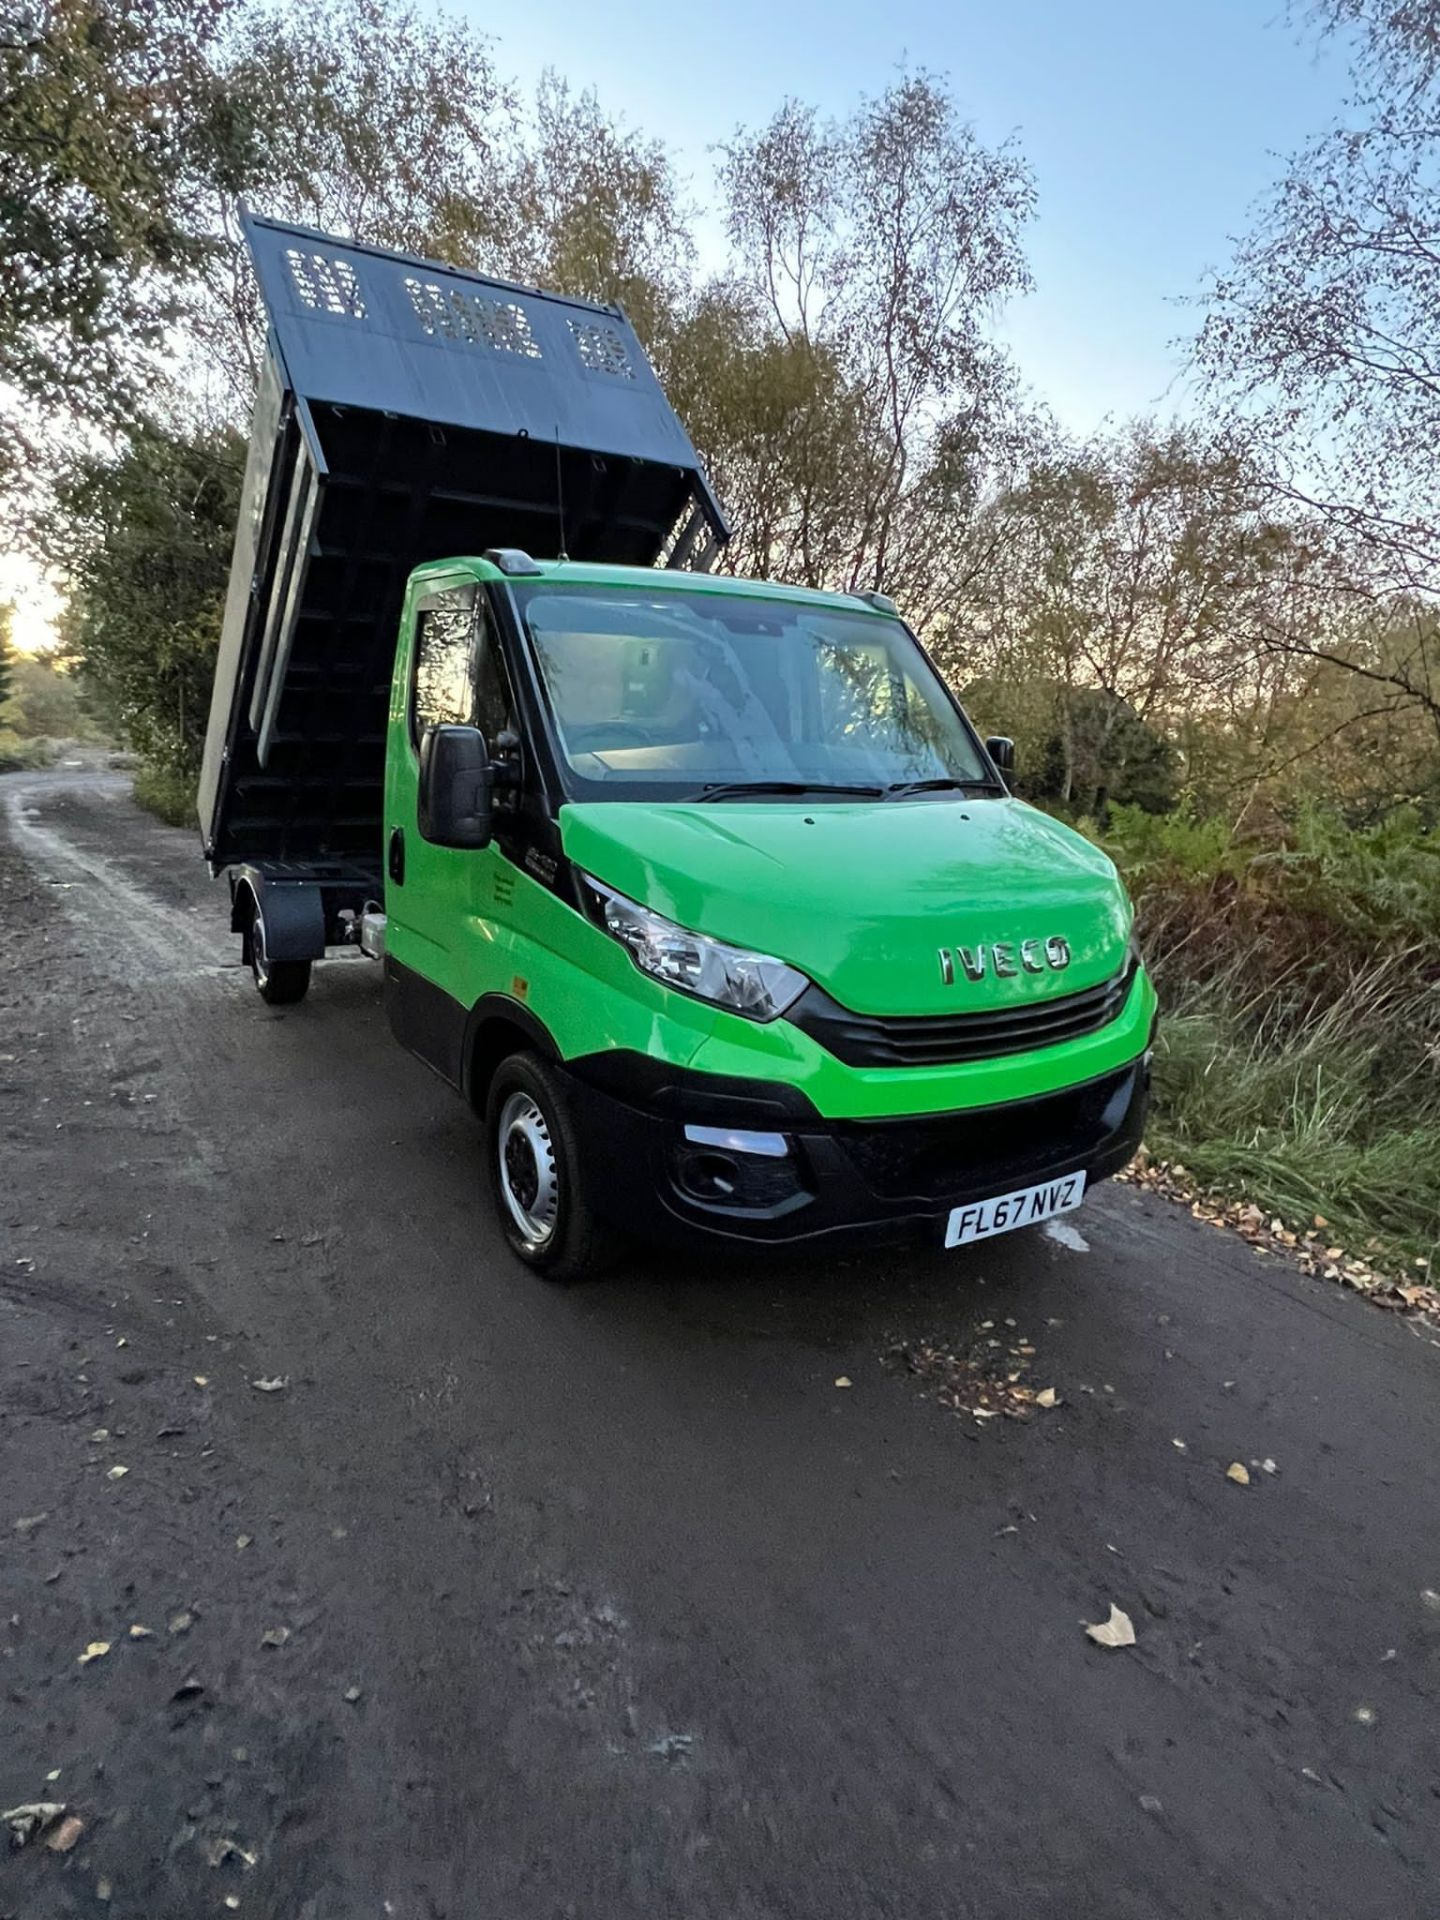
408 412
363 327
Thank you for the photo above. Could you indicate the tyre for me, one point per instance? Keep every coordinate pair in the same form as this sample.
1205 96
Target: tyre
534 1160
280 983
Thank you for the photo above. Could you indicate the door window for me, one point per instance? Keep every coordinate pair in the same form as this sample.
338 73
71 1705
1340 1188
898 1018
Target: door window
460 679
444 686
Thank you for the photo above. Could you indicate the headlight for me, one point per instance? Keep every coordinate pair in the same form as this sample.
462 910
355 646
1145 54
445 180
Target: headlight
755 984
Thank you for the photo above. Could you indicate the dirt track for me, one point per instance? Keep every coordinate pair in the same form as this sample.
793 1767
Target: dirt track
649 1619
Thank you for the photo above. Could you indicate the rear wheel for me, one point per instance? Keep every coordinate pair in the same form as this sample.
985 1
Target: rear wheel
280 983
534 1159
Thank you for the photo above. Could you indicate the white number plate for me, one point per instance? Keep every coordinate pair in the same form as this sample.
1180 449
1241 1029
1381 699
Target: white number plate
1010 1210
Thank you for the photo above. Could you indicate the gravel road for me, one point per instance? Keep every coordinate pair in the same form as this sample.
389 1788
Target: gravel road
515 1603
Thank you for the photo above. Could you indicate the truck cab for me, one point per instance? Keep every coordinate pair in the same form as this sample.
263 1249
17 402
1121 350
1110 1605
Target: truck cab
708 898
702 891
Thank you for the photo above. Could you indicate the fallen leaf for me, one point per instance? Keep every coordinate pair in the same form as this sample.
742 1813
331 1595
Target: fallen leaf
202 1379
277 1385
843 1381
63 1838
103 1889
181 1622
224 1848
30 1521
96 1650
26 1821
1236 1472
137 1632
242 1540
1267 1465
100 1433
1117 1631
274 1636
117 1473
188 1689
52 1776
352 1694
1178 1443
1047 1397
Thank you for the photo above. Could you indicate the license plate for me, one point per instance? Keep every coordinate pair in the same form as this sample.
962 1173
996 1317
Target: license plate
1006 1211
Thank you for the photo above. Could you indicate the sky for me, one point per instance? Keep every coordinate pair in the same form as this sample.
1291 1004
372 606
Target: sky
1152 129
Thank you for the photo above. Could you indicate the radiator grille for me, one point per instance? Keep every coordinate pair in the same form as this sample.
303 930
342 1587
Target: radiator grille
947 1039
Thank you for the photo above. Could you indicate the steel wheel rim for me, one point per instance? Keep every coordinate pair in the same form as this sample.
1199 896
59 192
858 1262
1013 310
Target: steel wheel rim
258 958
529 1175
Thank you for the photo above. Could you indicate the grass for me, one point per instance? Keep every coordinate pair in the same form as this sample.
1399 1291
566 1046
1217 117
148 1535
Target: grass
170 796
22 754
1299 1058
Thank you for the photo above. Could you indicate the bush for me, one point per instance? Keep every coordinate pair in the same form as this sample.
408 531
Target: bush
1299 975
170 796
19 754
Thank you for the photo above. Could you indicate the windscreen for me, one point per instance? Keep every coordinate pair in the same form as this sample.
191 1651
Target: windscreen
675 694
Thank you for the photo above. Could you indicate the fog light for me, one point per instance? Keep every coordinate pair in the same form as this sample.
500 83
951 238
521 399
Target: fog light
735 1168
710 1176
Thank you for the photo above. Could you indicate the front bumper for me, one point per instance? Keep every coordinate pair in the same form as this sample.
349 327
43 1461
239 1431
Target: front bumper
887 1179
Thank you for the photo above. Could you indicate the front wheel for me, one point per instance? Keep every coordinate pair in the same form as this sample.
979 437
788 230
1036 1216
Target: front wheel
534 1161
280 983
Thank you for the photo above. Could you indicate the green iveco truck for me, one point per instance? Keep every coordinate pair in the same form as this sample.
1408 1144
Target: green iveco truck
702 891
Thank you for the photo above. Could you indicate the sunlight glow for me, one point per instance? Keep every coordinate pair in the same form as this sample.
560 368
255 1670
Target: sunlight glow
36 604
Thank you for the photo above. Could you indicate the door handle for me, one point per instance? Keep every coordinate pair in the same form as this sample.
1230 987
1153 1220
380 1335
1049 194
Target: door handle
395 864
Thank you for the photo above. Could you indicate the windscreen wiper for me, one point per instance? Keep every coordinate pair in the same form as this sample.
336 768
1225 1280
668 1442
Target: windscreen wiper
734 789
902 788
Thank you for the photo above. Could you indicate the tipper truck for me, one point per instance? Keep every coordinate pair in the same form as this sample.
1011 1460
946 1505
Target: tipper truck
702 891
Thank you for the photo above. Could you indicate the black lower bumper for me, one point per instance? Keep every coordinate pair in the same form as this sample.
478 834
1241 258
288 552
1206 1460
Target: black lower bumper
874 1179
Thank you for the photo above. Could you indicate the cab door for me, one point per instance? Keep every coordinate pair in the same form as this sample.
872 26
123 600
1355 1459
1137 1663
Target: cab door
447 672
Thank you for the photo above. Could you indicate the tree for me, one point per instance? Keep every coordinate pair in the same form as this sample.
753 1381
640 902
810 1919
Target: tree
144 538
1139 587
1078 747
354 116
99 105
7 658
1136 566
592 208
1324 325
870 255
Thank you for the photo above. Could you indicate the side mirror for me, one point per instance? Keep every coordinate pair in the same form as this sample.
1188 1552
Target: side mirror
456 788
1001 750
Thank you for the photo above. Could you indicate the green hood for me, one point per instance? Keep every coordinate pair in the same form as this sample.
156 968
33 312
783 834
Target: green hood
862 898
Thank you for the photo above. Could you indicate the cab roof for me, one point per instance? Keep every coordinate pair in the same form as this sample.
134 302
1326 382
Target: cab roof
589 573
